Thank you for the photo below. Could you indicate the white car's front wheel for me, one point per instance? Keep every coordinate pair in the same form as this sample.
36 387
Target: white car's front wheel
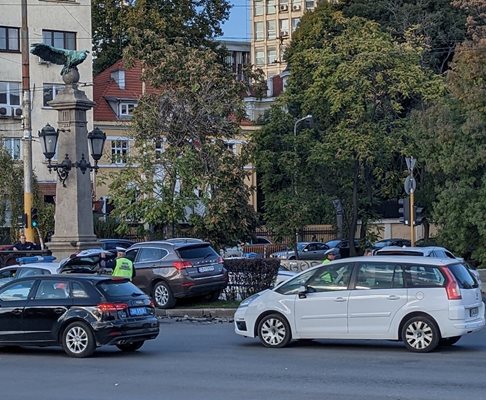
274 331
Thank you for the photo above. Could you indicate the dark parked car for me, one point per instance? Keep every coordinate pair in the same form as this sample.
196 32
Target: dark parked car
112 244
169 270
343 246
391 242
78 312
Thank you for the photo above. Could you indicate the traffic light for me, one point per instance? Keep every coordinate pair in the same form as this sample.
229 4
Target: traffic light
34 217
404 210
418 215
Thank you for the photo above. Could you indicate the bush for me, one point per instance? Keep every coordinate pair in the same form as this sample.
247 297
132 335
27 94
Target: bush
249 276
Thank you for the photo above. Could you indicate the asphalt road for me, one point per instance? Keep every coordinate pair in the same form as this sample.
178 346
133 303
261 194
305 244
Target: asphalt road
207 361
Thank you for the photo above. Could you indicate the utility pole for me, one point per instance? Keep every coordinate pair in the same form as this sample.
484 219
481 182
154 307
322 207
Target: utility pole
27 126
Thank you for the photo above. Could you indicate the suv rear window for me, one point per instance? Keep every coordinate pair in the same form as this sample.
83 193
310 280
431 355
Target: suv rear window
193 252
463 277
115 288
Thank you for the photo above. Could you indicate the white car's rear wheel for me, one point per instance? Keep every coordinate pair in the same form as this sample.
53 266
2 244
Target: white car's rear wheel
420 334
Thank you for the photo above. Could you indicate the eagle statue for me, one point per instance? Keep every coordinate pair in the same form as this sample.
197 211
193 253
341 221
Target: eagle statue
69 59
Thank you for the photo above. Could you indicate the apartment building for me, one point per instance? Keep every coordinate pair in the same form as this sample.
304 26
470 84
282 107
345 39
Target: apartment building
273 24
60 23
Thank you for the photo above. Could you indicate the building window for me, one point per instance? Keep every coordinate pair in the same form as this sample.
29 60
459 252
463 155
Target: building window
271 29
271 7
12 146
9 39
295 23
296 5
126 109
51 90
309 4
119 151
259 31
9 94
284 27
64 40
258 7
271 55
259 57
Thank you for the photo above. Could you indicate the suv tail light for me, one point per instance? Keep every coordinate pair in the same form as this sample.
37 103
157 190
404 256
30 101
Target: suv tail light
112 307
452 287
181 264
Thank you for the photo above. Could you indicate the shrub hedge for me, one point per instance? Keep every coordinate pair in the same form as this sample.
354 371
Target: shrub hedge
248 276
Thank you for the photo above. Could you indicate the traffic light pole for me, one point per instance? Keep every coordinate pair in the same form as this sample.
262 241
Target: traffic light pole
412 220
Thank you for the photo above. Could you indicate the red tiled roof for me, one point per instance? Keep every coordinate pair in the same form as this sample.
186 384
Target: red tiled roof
105 86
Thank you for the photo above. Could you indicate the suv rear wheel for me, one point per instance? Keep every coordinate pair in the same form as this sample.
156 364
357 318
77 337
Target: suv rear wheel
163 296
420 334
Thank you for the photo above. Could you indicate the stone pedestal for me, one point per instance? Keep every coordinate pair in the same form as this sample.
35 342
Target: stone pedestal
74 214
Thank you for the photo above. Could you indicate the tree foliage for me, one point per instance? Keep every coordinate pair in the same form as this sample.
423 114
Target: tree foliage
437 22
117 22
189 113
359 84
451 139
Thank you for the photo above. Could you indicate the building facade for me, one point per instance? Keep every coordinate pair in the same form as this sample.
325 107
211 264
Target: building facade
273 24
59 23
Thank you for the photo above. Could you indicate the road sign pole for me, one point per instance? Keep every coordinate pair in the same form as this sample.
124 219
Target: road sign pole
412 220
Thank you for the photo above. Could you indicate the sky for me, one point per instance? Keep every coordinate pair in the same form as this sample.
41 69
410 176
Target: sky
238 25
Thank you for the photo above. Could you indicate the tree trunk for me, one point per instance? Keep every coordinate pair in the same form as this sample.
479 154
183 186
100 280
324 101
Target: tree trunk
354 209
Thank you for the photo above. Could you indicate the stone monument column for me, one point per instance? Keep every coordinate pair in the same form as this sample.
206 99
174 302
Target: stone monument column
74 214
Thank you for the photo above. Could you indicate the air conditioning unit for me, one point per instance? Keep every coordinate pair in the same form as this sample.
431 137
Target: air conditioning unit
17 112
284 33
5 111
296 7
284 7
41 61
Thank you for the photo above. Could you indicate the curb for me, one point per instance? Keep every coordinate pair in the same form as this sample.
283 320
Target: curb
227 313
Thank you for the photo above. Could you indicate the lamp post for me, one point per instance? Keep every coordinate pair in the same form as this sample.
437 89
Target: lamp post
309 119
48 138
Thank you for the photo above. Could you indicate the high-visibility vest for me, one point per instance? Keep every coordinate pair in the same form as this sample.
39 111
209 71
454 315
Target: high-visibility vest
123 268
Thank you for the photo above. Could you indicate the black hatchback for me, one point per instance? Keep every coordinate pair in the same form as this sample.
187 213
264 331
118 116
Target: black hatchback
77 312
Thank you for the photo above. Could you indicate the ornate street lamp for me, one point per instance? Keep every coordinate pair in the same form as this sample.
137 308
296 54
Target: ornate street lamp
49 136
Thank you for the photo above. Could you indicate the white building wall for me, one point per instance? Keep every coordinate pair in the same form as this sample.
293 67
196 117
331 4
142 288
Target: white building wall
69 16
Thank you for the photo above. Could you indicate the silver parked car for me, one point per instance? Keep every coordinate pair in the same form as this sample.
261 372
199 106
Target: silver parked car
305 251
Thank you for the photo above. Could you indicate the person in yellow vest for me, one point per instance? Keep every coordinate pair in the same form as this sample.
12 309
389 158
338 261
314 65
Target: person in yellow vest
123 266
331 255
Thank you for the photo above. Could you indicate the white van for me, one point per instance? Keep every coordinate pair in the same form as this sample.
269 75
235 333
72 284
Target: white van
424 302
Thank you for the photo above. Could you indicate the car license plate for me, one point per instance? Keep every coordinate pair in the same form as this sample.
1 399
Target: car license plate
135 311
473 312
206 269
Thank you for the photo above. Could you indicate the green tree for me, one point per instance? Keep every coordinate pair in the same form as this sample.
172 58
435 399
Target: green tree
437 22
189 114
116 23
359 84
11 184
451 141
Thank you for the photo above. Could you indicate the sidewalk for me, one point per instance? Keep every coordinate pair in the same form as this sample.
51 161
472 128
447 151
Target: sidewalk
223 313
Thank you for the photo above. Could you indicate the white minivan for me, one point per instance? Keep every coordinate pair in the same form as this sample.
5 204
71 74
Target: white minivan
424 302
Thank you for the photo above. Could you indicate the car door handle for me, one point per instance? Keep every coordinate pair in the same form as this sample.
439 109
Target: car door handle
17 311
59 310
339 299
393 297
